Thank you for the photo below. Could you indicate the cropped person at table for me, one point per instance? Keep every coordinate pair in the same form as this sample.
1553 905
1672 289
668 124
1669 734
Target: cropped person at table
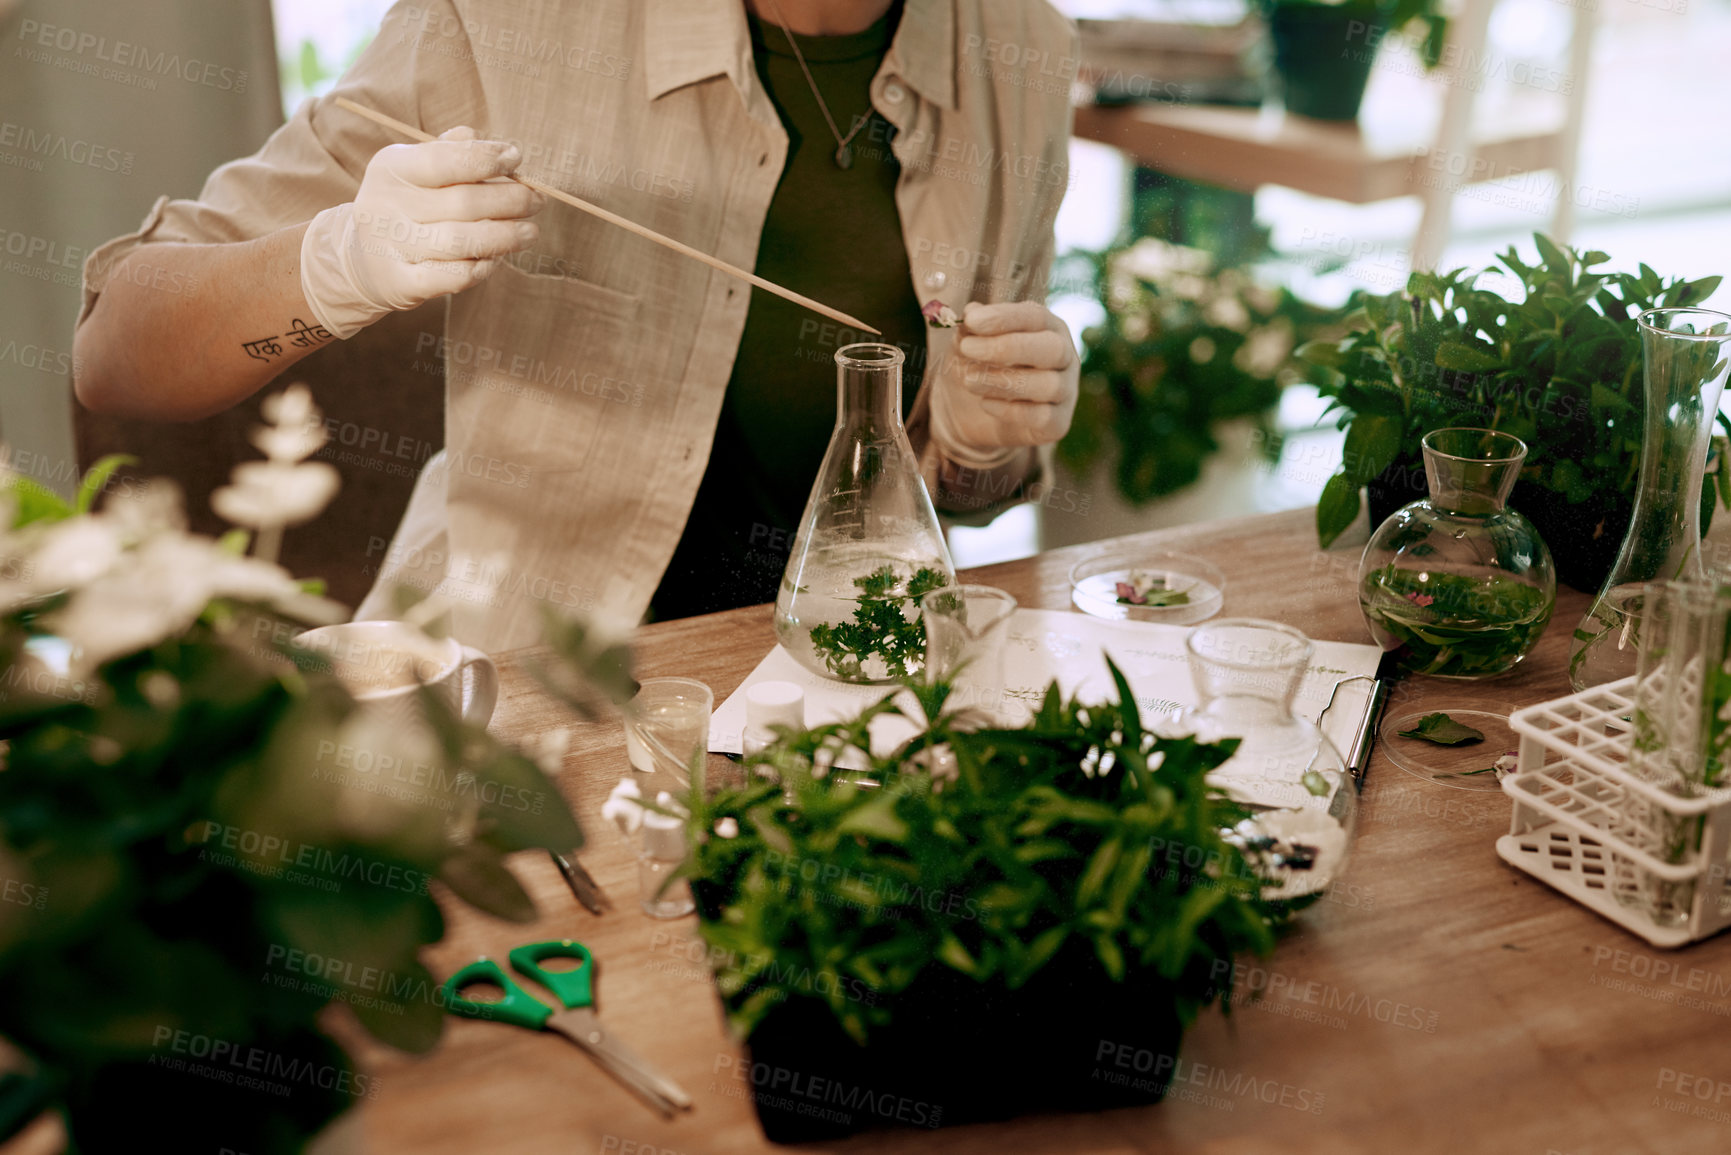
669 419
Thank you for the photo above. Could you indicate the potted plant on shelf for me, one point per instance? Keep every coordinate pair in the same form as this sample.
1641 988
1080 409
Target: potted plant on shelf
894 943
1188 357
1323 51
205 845
1559 367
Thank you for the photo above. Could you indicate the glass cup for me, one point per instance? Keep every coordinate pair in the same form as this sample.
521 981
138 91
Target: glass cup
966 627
1304 805
666 732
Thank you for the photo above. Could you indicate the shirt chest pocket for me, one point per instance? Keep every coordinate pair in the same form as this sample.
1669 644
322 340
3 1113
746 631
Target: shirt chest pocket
538 365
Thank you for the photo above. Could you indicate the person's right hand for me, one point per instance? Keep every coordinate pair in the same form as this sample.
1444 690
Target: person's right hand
429 219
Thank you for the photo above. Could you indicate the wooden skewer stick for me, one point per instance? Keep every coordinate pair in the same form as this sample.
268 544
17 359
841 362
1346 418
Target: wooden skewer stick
629 226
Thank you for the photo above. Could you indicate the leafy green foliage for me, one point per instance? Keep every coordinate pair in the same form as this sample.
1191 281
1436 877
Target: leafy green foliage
1454 625
886 625
192 825
1560 368
1182 349
983 852
1444 731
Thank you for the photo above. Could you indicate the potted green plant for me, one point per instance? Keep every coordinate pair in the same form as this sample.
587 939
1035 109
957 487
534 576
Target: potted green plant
1323 50
1185 350
894 942
205 845
1559 367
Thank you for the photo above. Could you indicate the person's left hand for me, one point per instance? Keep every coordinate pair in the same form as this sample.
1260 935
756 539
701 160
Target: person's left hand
1009 383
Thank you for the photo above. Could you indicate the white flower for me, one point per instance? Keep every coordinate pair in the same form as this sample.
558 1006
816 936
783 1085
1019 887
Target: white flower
1153 259
1507 764
270 493
73 553
547 750
290 443
1265 350
1228 312
727 828
624 806
158 590
293 406
154 592
142 511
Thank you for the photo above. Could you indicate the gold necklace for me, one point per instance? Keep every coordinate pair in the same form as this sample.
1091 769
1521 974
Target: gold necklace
843 144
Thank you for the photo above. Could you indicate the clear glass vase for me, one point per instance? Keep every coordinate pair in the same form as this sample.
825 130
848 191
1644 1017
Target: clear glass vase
869 545
1304 803
1684 351
1456 584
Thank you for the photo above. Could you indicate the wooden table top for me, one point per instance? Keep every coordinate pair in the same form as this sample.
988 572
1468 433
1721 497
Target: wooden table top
1442 1001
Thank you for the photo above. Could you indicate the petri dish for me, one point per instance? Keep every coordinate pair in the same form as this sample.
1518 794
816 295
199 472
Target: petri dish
1174 588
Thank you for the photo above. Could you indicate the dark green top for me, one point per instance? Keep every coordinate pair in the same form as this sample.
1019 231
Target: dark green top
834 235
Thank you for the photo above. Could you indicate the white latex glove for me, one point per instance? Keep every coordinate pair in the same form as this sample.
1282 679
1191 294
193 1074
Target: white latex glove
1009 383
429 219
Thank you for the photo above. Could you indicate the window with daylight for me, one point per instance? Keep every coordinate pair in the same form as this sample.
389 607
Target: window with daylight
318 39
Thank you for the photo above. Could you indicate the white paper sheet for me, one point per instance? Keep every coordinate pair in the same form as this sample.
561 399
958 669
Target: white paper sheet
1067 646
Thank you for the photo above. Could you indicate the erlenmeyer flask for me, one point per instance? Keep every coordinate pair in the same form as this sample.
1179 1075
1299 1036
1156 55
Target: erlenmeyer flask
869 545
1684 354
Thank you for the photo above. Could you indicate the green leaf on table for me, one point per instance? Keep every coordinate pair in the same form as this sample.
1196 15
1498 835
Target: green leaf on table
1443 730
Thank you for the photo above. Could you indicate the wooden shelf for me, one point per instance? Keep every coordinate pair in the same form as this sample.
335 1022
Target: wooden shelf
1243 148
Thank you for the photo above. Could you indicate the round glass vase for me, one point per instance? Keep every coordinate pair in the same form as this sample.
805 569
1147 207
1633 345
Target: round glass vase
869 545
1456 584
1303 803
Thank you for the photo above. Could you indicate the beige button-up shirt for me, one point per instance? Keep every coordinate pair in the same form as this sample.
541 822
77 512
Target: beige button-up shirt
585 378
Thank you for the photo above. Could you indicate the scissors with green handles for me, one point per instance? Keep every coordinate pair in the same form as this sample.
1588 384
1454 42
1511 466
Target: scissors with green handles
577 1021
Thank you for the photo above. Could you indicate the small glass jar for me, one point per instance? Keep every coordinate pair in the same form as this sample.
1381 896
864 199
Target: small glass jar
1304 803
1456 584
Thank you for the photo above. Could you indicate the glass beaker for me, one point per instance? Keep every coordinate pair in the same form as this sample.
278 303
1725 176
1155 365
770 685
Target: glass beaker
666 729
1683 351
1304 803
869 545
966 627
1456 584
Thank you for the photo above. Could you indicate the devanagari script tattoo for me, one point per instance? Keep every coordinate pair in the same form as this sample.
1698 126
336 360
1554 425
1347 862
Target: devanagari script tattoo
301 335
305 336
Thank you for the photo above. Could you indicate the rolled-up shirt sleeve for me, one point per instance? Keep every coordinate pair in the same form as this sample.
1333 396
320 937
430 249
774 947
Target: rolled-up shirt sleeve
419 69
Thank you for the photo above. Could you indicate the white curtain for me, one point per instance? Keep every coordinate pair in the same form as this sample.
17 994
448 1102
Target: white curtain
103 108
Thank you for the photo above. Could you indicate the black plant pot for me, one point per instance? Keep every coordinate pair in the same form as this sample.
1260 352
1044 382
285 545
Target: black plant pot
960 1051
1584 537
1323 54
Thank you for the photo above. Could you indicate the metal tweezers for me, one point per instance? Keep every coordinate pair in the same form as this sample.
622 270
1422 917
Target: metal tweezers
587 890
